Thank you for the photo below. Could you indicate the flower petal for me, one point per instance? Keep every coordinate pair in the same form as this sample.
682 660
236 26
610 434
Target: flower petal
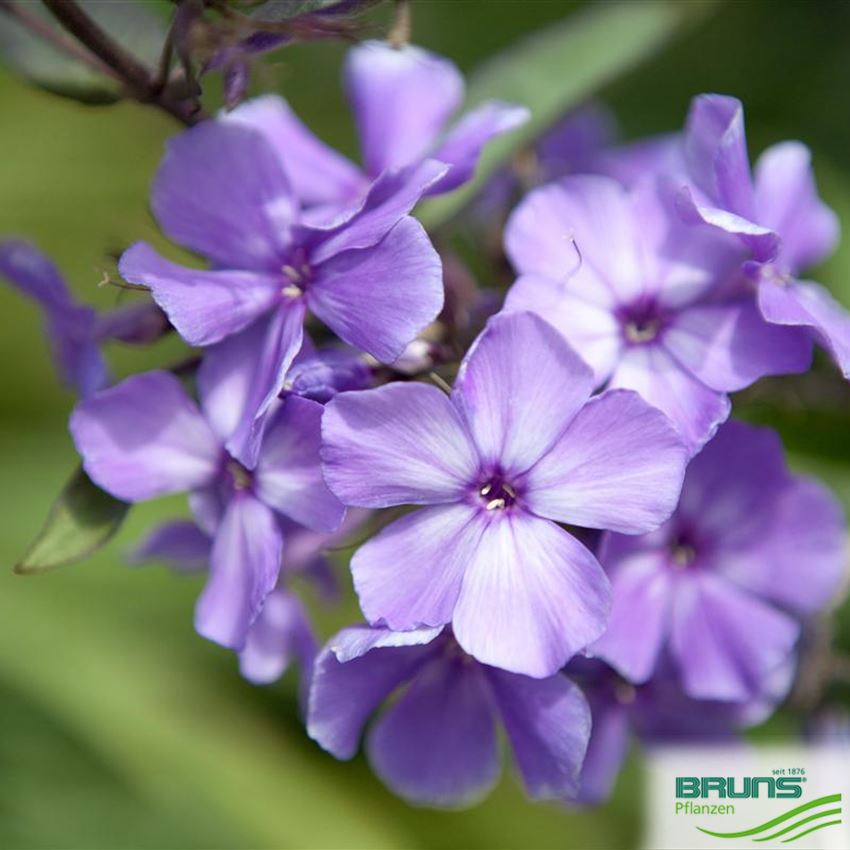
316 172
619 466
401 98
728 346
548 726
144 438
410 573
281 633
532 596
809 305
463 144
288 475
436 745
695 409
244 568
588 326
788 202
519 367
204 306
181 544
222 192
606 751
398 444
725 641
380 298
355 672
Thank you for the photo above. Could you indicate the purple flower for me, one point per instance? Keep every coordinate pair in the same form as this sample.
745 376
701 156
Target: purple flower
320 374
145 438
777 214
402 99
517 448
436 744
720 586
649 302
371 275
76 331
659 712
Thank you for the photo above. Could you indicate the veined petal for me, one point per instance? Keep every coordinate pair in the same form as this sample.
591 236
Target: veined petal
410 573
355 672
380 298
548 726
517 369
729 345
205 306
618 466
288 475
463 144
695 409
532 596
398 444
244 567
436 745
222 192
316 172
401 98
145 438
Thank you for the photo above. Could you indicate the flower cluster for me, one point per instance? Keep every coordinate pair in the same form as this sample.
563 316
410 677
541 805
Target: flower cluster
591 549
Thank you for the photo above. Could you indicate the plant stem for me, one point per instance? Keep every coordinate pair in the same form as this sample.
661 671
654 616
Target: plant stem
140 81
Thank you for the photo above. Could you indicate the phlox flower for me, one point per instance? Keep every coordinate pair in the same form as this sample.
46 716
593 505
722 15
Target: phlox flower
145 438
436 743
721 586
518 447
652 304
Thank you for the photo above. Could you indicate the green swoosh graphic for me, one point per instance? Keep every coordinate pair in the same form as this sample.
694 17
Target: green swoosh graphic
813 829
830 798
809 819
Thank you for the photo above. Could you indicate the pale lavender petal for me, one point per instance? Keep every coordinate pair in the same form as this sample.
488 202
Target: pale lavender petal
355 672
581 221
618 466
281 633
205 306
517 368
716 153
788 202
641 593
436 745
728 346
222 192
316 172
548 726
631 163
380 298
207 506
606 751
809 305
590 327
695 409
401 98
463 144
244 568
274 346
181 544
410 573
725 641
531 598
390 198
144 438
398 444
801 562
288 475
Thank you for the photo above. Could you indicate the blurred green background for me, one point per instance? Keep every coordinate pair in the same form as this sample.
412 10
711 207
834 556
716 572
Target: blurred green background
119 727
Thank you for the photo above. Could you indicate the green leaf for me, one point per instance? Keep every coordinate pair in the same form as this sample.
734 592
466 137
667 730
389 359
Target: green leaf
80 521
138 26
558 68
